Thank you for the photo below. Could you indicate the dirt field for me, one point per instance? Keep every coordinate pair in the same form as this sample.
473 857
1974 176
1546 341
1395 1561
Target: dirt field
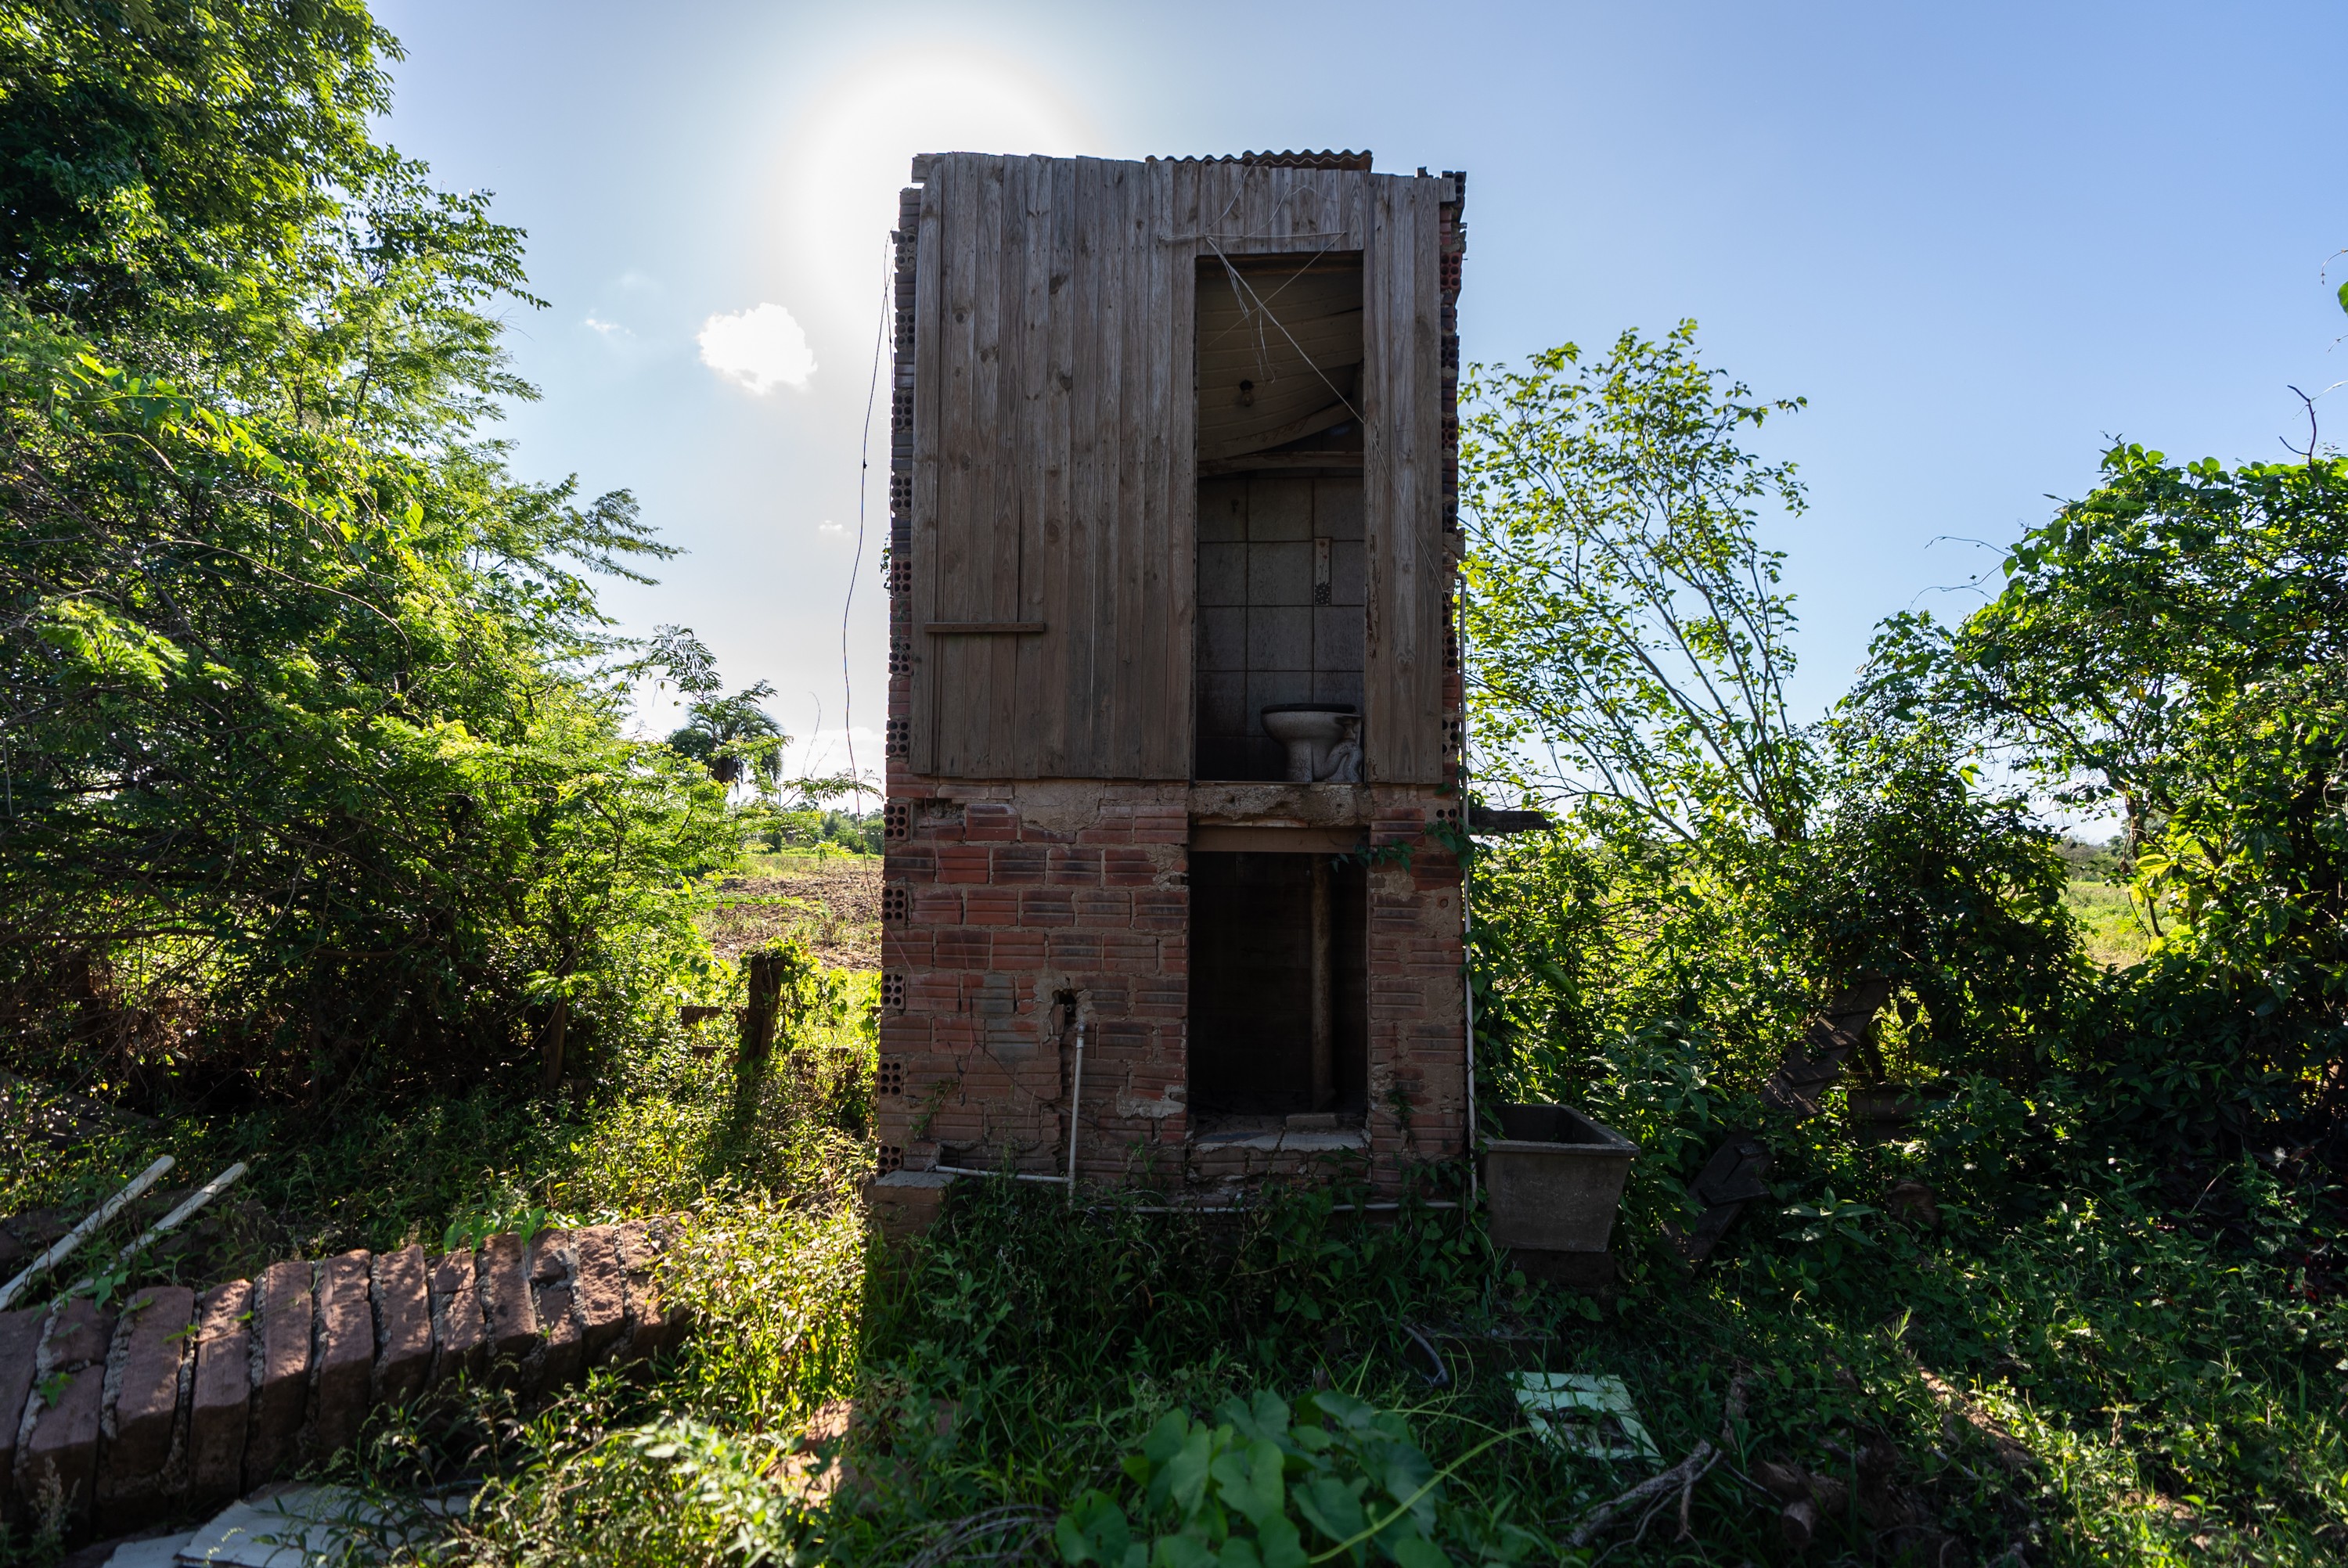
831 900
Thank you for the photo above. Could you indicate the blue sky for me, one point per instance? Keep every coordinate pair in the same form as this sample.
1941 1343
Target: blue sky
1981 239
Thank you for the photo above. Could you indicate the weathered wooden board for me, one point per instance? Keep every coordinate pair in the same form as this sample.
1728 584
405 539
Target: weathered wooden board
1056 460
1402 480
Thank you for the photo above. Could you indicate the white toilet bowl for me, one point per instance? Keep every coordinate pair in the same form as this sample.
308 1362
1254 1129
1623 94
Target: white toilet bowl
1308 730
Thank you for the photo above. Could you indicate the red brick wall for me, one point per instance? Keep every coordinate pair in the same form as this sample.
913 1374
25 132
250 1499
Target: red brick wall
1018 896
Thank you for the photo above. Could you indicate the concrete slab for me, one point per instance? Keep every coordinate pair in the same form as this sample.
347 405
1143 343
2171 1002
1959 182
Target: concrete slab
287 1527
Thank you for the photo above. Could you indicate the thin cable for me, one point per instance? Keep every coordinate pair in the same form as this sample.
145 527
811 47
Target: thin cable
1240 287
863 491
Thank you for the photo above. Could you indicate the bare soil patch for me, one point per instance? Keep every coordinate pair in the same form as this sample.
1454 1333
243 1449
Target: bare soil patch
833 902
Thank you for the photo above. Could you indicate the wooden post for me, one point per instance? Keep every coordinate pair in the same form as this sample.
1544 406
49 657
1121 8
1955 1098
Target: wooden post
762 978
1324 1021
551 1045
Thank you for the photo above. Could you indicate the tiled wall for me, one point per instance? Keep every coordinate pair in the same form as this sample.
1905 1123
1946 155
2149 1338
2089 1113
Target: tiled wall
1282 590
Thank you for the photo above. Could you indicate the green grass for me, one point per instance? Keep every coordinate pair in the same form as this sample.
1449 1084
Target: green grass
2110 928
2171 1366
2178 1395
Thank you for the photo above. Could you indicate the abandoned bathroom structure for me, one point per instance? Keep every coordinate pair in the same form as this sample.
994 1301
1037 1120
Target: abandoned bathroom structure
1174 699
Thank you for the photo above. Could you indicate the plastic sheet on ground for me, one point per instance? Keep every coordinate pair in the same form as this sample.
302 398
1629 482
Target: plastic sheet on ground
1584 1414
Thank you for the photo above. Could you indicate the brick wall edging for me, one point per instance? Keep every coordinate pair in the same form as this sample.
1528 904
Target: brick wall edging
181 1399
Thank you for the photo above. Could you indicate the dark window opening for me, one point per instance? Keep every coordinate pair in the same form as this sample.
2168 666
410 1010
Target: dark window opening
1279 987
1281 568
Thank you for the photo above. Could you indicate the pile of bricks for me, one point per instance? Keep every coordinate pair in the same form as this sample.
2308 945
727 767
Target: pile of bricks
179 1399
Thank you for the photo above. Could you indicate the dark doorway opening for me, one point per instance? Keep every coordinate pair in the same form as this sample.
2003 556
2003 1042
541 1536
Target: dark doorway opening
1283 568
1279 986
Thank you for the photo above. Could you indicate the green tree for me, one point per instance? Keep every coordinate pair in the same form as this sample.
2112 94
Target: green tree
1628 642
2175 646
734 737
307 775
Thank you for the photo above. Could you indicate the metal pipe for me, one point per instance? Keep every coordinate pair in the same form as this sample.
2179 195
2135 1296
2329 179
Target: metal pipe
1324 1021
1467 898
82 1232
1015 1175
1075 1099
1243 1208
177 1217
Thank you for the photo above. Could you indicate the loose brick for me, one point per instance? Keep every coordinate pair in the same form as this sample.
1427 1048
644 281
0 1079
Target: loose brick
220 1401
460 1339
403 1325
20 1344
345 1351
78 1334
554 1300
600 1289
502 1268
145 1363
285 1302
60 1453
653 1327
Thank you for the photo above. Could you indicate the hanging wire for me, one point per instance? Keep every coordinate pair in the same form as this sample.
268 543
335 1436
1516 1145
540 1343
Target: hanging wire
863 493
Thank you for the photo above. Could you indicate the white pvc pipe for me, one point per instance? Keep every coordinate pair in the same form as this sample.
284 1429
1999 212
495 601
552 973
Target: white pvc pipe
177 1216
1075 1099
82 1232
1015 1175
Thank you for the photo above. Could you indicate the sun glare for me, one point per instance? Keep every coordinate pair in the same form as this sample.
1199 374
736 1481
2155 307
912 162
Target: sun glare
845 156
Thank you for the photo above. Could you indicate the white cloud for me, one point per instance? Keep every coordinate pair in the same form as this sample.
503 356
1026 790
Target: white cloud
829 527
609 329
762 348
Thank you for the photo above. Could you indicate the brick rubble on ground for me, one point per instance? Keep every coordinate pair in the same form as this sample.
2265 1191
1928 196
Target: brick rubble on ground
176 1399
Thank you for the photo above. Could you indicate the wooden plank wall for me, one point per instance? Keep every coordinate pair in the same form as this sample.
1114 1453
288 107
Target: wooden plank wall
1055 473
1410 569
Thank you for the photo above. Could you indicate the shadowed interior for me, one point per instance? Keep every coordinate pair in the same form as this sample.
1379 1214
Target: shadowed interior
1251 1030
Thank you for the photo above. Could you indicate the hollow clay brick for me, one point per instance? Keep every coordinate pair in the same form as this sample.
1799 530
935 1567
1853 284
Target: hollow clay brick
220 1402
147 1352
600 1288
20 1343
345 1351
403 1325
60 1453
285 1305
461 1342
503 1269
552 1300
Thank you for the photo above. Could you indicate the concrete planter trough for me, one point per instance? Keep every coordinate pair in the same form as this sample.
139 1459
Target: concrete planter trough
1554 1183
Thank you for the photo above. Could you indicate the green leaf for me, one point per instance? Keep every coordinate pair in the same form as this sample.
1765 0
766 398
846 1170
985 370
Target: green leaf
1417 1552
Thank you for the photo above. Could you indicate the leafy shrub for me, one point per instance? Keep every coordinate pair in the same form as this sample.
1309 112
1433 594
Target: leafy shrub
1254 1489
